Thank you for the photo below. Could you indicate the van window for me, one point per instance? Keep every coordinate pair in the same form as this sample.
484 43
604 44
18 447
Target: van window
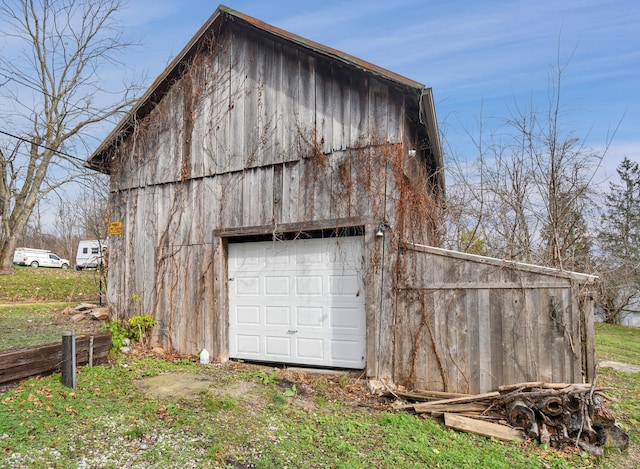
85 250
94 250
53 256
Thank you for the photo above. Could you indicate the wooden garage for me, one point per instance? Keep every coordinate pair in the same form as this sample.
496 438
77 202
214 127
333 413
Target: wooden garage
267 188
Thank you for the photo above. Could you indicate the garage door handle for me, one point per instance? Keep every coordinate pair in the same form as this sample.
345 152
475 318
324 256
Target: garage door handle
291 332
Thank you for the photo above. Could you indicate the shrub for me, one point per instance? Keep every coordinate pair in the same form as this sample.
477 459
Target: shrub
139 325
119 334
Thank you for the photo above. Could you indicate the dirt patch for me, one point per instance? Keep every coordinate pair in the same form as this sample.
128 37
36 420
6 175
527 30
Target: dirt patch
169 386
624 367
175 385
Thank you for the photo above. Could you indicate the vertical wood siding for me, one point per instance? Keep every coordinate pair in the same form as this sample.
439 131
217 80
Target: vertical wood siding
467 326
255 133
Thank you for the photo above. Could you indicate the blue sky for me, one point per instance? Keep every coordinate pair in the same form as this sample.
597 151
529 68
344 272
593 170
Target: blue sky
480 57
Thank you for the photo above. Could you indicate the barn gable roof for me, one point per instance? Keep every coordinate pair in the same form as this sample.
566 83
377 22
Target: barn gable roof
424 99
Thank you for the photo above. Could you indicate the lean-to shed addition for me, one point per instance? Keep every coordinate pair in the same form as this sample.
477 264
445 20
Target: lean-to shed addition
262 191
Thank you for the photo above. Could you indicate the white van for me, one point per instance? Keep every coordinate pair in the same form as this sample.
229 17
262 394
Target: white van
90 254
39 258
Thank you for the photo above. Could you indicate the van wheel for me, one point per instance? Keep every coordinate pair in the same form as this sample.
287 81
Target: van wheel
65 266
35 264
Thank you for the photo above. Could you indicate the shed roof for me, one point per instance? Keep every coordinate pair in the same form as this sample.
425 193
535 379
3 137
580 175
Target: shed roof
98 160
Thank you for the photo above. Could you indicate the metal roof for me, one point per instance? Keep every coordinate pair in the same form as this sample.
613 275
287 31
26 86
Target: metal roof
223 13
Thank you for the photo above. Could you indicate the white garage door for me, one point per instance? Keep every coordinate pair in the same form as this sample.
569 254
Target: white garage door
298 301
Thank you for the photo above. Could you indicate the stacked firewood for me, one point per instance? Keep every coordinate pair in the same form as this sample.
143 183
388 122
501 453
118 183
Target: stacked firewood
558 415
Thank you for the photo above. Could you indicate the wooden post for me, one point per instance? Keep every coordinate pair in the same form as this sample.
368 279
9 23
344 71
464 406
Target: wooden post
90 351
69 359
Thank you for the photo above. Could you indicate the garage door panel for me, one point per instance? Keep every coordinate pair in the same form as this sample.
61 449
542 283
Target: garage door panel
247 345
309 253
247 286
277 285
309 285
277 316
345 350
310 349
246 257
309 317
298 302
276 254
344 285
346 320
278 347
247 315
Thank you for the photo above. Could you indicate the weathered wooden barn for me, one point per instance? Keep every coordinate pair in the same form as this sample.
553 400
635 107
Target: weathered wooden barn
270 199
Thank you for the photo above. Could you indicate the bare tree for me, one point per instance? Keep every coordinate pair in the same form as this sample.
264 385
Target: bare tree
530 195
93 209
51 92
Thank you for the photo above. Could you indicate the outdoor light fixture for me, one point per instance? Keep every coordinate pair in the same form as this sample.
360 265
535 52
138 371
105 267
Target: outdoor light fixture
381 228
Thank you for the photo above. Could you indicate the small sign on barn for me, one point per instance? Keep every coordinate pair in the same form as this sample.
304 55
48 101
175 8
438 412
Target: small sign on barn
115 228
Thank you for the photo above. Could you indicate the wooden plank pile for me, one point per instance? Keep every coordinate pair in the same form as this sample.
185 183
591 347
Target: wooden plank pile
554 414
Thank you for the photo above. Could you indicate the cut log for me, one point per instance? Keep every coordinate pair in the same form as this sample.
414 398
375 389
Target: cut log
551 405
522 416
602 415
480 427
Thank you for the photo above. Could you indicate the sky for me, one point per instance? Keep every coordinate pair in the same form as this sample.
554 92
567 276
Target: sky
484 59
481 58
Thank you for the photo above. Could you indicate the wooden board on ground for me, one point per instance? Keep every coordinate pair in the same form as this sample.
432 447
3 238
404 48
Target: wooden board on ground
480 427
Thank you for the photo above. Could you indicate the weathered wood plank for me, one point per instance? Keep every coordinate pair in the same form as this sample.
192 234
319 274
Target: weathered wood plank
471 333
457 400
253 62
324 109
485 336
292 227
35 360
588 331
287 113
496 339
278 192
306 131
220 124
291 193
373 278
480 427
238 101
220 321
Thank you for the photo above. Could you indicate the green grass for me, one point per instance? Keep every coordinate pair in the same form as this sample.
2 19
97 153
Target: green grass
37 323
108 422
618 343
621 344
32 285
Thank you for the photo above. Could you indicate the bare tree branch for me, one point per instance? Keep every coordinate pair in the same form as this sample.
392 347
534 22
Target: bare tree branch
56 84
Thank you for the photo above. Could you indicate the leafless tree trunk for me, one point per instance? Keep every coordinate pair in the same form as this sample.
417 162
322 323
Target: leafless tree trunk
52 93
530 195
